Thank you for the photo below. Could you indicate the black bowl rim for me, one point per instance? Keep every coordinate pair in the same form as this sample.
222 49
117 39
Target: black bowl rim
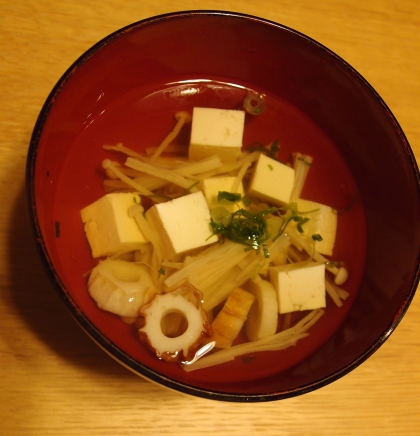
84 322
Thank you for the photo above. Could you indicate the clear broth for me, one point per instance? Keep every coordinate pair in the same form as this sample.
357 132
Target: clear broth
142 118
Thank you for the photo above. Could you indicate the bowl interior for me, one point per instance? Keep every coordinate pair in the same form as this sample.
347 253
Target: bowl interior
127 87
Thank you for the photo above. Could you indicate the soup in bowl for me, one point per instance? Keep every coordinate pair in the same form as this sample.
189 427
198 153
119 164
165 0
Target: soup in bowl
225 206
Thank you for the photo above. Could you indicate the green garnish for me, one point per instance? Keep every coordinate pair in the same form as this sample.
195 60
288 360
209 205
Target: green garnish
251 228
300 221
317 237
162 271
270 167
246 228
221 215
228 197
254 104
291 214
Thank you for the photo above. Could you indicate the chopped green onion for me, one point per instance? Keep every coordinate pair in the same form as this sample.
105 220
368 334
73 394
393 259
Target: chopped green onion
230 197
291 214
317 237
254 104
221 216
300 221
245 227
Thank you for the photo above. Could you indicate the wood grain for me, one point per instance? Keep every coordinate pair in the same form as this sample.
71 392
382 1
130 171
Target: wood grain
54 380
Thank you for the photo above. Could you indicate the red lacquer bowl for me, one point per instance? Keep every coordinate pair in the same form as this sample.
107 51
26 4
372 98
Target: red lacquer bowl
127 88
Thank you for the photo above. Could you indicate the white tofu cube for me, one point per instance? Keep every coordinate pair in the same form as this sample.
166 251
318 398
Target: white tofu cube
272 181
322 221
182 224
108 227
299 286
216 132
211 188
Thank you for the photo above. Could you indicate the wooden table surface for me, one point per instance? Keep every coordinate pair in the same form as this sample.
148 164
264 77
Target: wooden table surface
53 379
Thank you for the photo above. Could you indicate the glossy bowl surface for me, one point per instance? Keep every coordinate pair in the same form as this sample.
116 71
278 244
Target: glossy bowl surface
127 87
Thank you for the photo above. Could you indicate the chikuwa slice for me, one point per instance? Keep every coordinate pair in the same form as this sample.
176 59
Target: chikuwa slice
183 308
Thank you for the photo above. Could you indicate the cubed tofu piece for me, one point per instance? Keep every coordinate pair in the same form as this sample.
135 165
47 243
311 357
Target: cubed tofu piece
272 181
211 188
216 132
182 224
322 221
108 227
299 286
